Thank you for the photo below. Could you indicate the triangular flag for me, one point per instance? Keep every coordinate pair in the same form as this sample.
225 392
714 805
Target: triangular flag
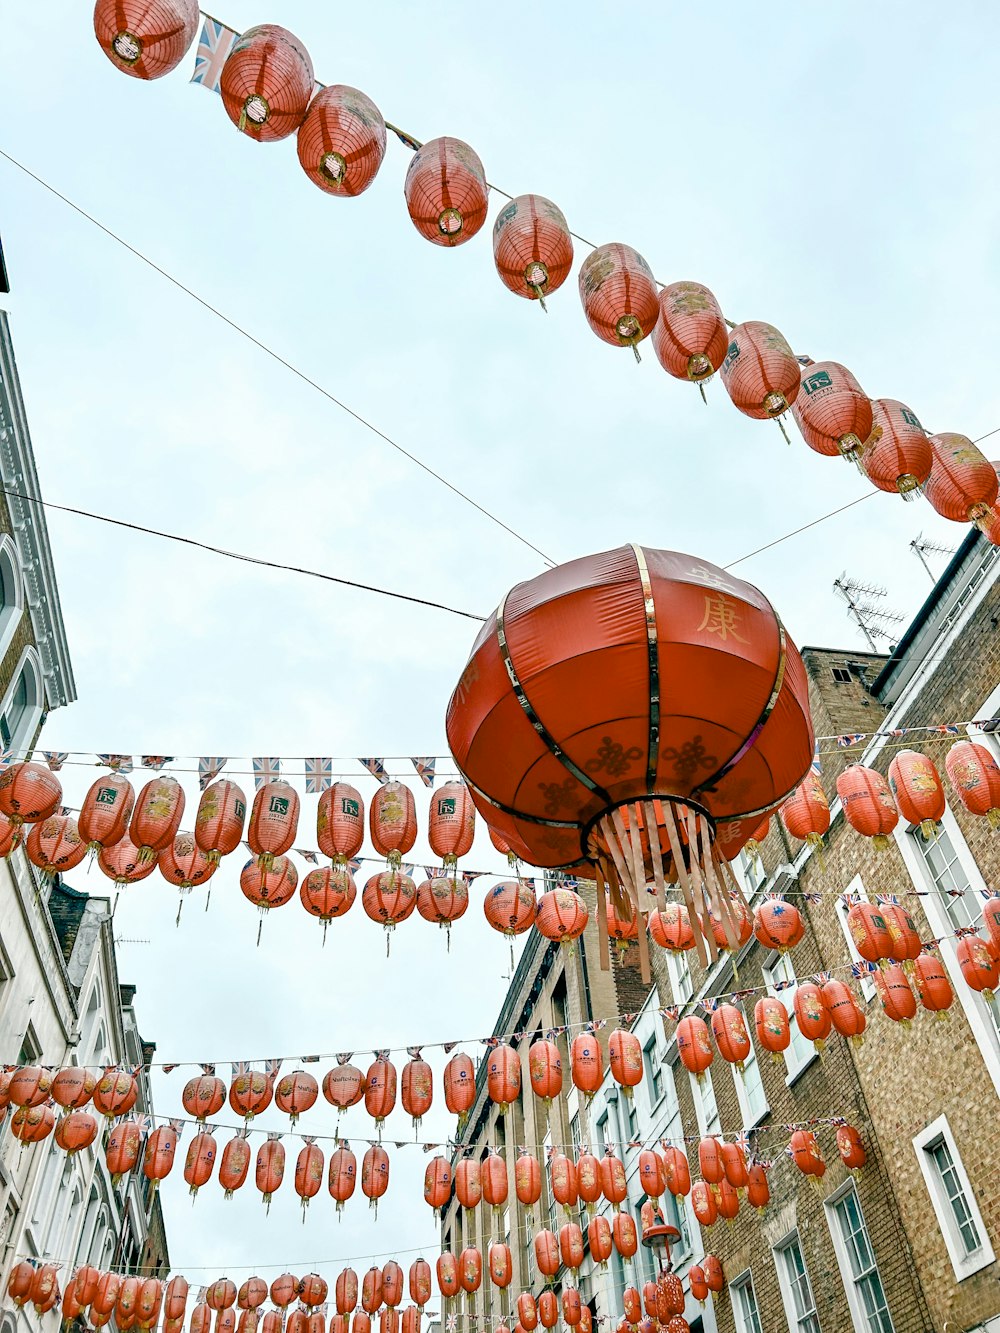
424 764
214 47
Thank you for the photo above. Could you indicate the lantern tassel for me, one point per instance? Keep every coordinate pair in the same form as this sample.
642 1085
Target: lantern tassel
635 353
180 908
260 927
784 432
701 390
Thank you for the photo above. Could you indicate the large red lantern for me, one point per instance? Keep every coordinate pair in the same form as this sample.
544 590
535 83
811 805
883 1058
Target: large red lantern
545 1069
972 771
906 943
106 810
532 246
812 1017
622 929
446 191
73 1087
898 1000
184 864
76 1131
586 1063
806 813
510 907
869 931
842 1007
341 141
199 1161
932 985
446 1269
116 1093
250 1092
778 924
308 1175
29 792
980 969
693 1044
451 822
340 823
867 803
419 1282
460 1086
122 1152
500 1265
146 38
625 1234
392 821
267 889
625 1060
29 1085
443 900
917 788
898 457
270 1168
676 1172
671 928
804 1151
562 915
503 1076
690 338
218 825
730 1033
54 845
161 1152
437 1183
832 411
470 1269
374 1174
493 1174
157 814
267 82
31 1124
527 1179
619 295
760 370
123 862
562 726
962 485
469 1183
346 1291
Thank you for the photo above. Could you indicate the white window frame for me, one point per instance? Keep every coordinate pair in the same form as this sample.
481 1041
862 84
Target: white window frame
706 1124
941 925
784 1285
796 1061
653 1069
745 1283
989 708
10 571
21 739
681 992
858 1316
750 1119
856 889
963 1264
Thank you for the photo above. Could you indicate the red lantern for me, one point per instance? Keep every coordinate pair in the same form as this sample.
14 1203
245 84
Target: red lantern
346 1291
902 928
446 191
586 1063
625 1059
270 1168
805 1153
842 1008
690 338
417 1088
671 928
443 900
850 1147
106 810
393 821
342 1177
962 485
460 1086
380 1088
284 1289
806 813
221 1294
269 888
72 1087
760 370
31 1124
676 1172
29 793
777 924
527 1311
218 825
469 1182
374 1174
499 1265
697 1283
308 1173
532 246
29 1086
160 1154
470 1269
341 141
599 1240
144 39
447 1274
973 773
340 823
545 1069
588 1178
527 1179
933 987
437 1183
106 1298
156 817
122 1151
54 845
45 1288
184 864
250 1093
344 1085
980 969
651 1173
392 1284
734 1164
510 907
199 1162
624 1234
76 1131
811 1015
867 803
267 82
572 1307
621 928
295 1093
714 1276
548 1309
832 411
122 863
693 1044
918 791
869 931
389 898
493 1174
619 295
898 457
274 822
451 822
328 893
547 1253
758 1190
562 1176
420 1282
115 1094
562 915
703 1203
613 1183
730 1033
19 1282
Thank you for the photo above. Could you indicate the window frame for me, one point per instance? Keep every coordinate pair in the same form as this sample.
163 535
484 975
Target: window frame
744 1283
963 1264
22 737
681 981
12 611
653 1072
856 889
778 1253
707 1125
750 1121
830 1205
786 994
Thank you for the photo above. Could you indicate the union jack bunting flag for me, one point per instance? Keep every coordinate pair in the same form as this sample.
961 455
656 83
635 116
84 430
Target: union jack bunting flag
209 768
156 760
804 360
265 770
319 776
121 763
595 1025
408 141
239 1067
6 759
852 738
271 1067
55 758
407 867
208 1069
376 767
430 871
946 729
309 857
815 763
214 47
354 864
424 764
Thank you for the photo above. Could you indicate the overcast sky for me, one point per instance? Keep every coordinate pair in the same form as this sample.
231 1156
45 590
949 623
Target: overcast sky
821 169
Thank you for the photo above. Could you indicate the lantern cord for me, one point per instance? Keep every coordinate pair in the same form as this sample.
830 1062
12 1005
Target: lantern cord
276 356
239 555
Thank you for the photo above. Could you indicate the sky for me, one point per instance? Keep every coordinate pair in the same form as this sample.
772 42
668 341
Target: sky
812 165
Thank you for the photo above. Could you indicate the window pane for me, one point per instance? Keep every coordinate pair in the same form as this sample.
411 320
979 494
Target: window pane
956 1196
867 1282
746 1305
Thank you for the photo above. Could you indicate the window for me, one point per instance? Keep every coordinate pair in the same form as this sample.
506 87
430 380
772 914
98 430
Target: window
745 1308
750 1090
675 1209
857 1265
653 1071
706 1108
954 1202
647 1265
680 977
753 870
857 889
632 1116
602 1134
11 591
841 675
796 1293
22 708
799 1053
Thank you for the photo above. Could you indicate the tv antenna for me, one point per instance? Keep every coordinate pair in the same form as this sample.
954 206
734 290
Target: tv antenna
923 546
126 939
870 618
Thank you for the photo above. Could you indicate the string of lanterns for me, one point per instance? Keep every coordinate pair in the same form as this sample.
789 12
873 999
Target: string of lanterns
267 85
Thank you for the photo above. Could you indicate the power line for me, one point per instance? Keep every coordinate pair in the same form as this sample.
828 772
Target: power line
269 351
237 555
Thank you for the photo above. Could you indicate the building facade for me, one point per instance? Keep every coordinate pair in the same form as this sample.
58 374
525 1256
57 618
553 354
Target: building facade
909 1243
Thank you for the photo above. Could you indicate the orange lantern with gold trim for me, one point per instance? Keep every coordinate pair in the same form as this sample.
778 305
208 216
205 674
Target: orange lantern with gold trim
510 907
962 485
146 38
29 792
932 985
545 1069
812 1018
437 1183
804 1150
121 863
419 1279
416 1087
676 1172
341 1180
389 898
599 1240
758 1190
156 817
693 1044
340 823
547 1256
916 786
392 821
274 821
380 1088
730 1032
295 1093
690 338
446 191
586 1063
532 246
250 1092
76 1131
470 1270
619 295
898 457
980 969
625 1060
267 82
199 1162
73 1087
116 1093
218 825
327 893
161 1153
443 900
973 773
562 915
460 1086
778 924
760 370
562 1177
341 141
906 944
806 813
527 1178
344 1085
703 1204
54 845
614 1186
270 1167
106 810
451 822
832 411
469 1182
122 1152
869 931
842 1007
624 1234
851 1149
867 803
671 928
374 1174
494 1180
